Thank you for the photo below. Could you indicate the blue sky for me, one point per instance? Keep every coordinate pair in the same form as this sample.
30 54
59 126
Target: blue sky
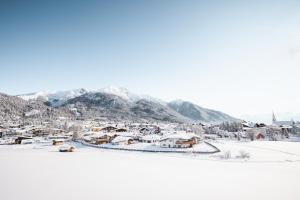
241 57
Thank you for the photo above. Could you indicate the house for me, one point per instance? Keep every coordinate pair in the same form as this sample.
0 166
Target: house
119 140
58 142
260 125
2 132
66 148
9 133
144 130
109 129
150 138
58 137
285 129
259 136
179 140
121 130
55 131
102 138
134 135
39 132
23 140
96 129
257 133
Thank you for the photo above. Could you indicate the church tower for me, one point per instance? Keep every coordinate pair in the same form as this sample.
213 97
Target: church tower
274 118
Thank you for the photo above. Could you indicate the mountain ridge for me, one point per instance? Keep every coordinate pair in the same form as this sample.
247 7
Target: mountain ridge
116 103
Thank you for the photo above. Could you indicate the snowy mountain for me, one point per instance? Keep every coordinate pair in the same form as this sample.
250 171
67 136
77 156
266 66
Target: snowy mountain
117 103
13 108
197 113
55 98
119 91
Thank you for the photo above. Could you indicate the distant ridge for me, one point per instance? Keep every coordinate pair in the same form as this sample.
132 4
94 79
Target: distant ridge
118 103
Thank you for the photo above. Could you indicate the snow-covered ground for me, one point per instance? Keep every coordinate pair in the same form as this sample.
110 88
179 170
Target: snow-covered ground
201 147
35 172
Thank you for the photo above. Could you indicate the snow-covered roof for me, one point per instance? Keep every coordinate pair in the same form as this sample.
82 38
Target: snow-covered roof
282 123
128 134
120 139
151 137
65 147
286 126
101 134
181 135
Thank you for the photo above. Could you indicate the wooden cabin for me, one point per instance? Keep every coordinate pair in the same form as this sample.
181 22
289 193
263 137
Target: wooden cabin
67 149
57 142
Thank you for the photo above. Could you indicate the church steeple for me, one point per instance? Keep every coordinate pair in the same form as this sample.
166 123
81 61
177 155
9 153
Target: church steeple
274 118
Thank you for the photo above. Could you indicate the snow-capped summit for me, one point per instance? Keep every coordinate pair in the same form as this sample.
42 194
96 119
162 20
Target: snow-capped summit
56 98
119 103
177 102
34 96
121 92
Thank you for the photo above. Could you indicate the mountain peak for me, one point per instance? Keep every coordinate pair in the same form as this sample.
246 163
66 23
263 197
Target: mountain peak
119 91
178 102
103 102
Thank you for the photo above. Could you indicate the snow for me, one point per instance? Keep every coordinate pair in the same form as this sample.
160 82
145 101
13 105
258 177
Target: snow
152 137
33 96
40 172
59 97
177 102
154 147
120 139
180 135
262 151
32 112
56 97
121 92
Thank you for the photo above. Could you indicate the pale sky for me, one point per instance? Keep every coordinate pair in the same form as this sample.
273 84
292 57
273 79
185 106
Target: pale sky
239 57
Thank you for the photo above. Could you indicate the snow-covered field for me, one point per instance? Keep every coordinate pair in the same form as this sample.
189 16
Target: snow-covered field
201 147
40 172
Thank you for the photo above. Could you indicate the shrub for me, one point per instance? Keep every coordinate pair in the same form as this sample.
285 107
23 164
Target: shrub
243 155
227 155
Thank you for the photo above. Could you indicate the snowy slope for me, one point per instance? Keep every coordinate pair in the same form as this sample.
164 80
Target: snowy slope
119 91
198 113
59 97
44 173
56 98
63 96
34 96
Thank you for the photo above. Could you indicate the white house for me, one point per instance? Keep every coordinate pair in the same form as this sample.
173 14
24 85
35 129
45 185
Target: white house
150 138
179 140
119 140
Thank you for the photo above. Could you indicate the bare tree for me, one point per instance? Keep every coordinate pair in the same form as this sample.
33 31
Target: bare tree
77 132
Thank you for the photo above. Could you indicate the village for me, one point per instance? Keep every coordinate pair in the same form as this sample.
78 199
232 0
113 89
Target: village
146 137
